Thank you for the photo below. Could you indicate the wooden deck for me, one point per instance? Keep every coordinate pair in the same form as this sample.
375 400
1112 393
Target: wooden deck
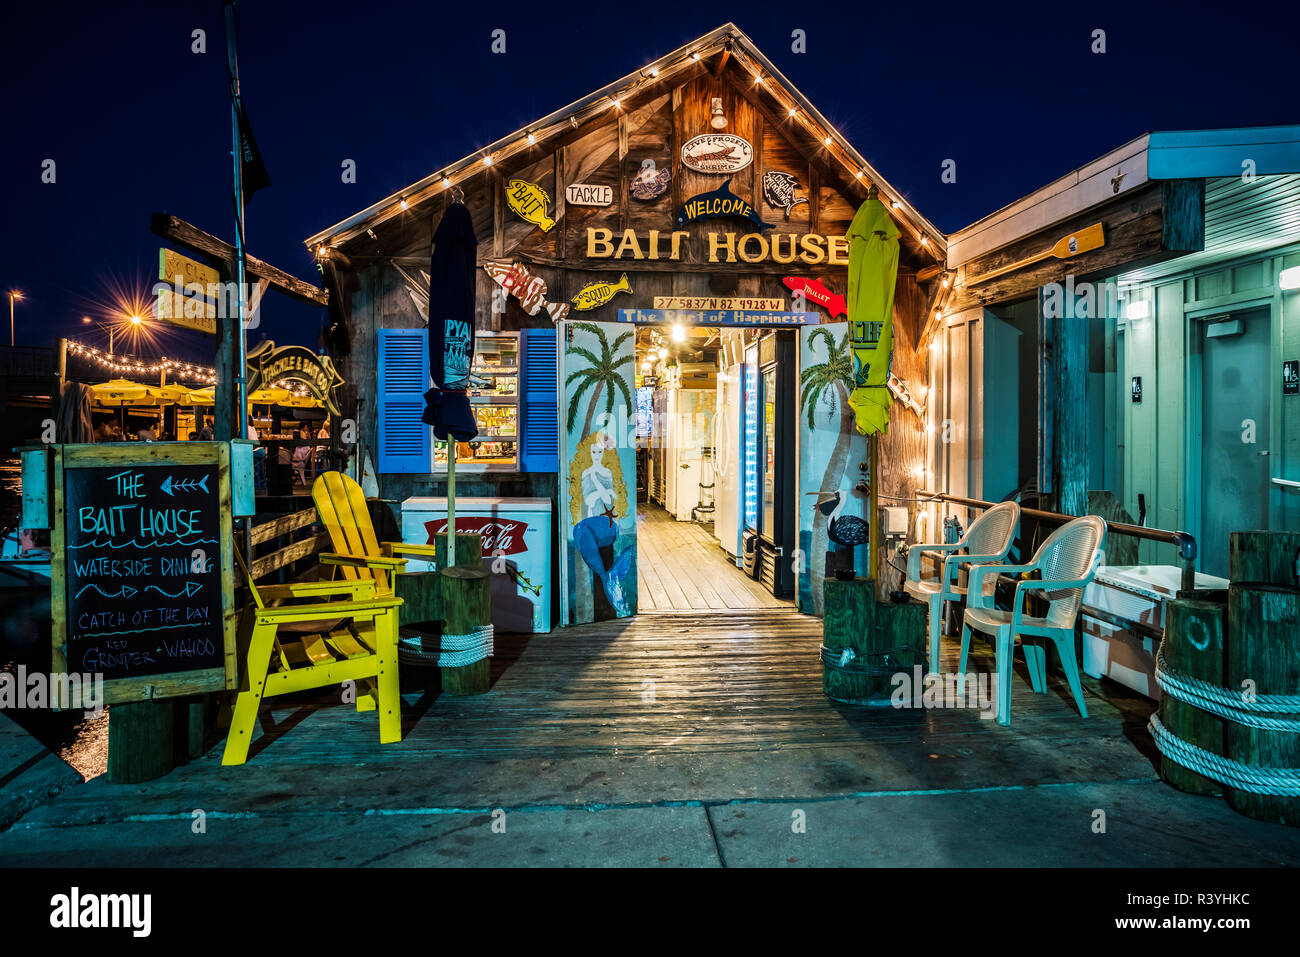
670 738
680 567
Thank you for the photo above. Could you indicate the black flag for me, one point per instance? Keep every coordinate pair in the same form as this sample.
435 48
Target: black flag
255 175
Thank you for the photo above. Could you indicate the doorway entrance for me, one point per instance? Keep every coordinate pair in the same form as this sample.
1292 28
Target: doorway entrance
1235 432
691 523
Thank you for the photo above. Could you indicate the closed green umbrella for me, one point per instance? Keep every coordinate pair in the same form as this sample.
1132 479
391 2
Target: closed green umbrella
873 268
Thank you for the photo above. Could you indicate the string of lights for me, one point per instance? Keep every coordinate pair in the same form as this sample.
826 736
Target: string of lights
133 365
175 368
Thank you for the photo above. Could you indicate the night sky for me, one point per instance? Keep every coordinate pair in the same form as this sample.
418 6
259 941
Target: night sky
137 123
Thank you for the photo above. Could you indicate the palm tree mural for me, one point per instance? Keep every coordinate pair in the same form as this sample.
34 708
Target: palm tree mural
602 375
827 384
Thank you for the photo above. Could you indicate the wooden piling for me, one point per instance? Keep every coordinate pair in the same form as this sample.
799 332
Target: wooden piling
140 741
1264 649
464 606
1193 645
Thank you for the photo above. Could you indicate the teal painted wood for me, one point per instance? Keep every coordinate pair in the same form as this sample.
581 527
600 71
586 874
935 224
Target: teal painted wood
37 474
243 488
1191 154
1184 219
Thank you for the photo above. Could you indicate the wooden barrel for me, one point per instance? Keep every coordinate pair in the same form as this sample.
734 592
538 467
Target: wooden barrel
1264 648
1193 646
855 619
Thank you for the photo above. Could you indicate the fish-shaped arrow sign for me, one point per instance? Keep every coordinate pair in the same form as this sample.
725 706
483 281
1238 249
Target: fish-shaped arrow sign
815 290
719 202
171 486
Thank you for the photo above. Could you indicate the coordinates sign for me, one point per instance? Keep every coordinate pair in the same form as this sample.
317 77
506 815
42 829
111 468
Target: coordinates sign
716 302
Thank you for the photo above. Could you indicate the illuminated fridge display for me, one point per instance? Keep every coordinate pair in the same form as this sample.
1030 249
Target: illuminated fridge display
767 544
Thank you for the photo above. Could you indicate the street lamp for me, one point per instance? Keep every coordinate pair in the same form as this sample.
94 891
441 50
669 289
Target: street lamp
13 294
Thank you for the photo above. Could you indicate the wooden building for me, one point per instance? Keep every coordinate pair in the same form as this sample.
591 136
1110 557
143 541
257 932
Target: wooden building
604 186
1126 342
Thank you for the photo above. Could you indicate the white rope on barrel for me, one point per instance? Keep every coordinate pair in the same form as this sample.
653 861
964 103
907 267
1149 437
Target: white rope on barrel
1283 782
455 651
1264 711
458 650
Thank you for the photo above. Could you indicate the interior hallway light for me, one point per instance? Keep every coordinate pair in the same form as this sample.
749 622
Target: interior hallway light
679 332
1289 278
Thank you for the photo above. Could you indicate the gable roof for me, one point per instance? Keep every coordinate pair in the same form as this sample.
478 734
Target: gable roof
726 41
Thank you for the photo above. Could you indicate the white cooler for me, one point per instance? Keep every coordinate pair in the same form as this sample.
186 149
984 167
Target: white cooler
1138 593
520 529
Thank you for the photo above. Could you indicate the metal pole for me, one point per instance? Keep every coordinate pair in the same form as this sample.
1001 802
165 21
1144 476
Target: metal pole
451 501
11 320
232 64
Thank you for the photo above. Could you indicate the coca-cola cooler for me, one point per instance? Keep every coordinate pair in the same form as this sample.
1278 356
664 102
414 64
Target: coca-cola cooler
516 551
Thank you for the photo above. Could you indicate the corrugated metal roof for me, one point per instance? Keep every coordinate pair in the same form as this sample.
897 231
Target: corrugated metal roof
1241 219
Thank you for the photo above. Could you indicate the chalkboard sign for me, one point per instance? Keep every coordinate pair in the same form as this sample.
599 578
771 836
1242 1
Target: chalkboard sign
142 594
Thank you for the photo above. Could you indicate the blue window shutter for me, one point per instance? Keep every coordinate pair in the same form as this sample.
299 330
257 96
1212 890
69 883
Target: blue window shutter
404 440
539 406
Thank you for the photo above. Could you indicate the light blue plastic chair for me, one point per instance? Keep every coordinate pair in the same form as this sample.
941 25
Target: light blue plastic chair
1066 563
987 540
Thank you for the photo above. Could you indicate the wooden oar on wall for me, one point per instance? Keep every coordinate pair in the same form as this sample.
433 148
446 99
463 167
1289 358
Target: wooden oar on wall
1085 240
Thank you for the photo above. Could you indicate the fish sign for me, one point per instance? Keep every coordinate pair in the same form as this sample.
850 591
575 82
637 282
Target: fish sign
530 290
778 190
719 202
717 153
816 291
596 294
585 194
528 201
649 182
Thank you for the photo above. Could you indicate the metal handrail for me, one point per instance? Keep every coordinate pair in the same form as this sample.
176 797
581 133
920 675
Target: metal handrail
1185 542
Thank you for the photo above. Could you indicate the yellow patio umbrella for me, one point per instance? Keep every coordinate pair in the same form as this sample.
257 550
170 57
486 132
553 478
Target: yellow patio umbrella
171 394
308 401
123 392
198 396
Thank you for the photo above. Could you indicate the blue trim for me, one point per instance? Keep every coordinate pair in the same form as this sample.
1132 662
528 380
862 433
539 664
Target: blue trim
539 406
1194 154
405 442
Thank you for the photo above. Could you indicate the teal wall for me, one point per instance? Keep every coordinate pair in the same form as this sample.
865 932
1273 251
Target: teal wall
1161 455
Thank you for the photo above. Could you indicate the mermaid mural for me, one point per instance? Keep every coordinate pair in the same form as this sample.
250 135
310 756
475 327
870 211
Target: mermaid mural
597 500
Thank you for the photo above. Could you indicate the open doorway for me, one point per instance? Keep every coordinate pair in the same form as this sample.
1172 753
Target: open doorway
700 458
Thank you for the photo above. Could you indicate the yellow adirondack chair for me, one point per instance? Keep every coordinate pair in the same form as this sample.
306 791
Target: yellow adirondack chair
357 554
323 633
